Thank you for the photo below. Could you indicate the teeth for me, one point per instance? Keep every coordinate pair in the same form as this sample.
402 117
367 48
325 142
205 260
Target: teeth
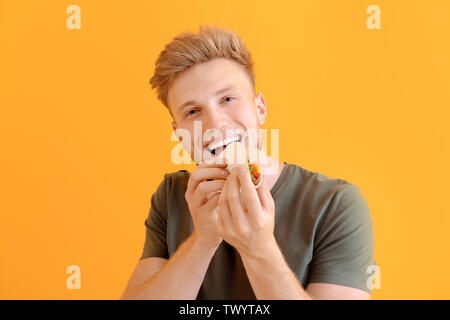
221 143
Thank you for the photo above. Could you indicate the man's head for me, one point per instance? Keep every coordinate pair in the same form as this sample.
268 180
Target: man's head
208 76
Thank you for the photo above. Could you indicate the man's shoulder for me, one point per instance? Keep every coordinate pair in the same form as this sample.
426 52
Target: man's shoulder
320 194
175 180
177 176
317 182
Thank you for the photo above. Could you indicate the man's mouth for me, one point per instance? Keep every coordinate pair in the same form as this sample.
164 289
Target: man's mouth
215 148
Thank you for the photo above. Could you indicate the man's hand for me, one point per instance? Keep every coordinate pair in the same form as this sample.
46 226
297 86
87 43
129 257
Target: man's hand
205 180
249 228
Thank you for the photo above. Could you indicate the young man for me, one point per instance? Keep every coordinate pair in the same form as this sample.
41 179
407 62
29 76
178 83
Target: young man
301 235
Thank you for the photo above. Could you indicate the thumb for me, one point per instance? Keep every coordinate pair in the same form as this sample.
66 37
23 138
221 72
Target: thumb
265 196
213 201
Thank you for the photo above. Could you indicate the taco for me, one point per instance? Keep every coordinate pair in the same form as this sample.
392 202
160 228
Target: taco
235 154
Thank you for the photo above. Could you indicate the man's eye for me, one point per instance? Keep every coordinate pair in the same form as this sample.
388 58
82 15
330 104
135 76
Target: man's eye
227 99
190 112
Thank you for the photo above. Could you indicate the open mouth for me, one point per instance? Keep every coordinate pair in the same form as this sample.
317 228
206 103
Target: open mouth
216 148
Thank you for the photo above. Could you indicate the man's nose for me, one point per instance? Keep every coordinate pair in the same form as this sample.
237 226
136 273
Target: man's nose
215 119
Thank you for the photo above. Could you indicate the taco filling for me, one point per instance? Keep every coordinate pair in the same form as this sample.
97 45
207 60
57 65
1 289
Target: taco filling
255 172
235 154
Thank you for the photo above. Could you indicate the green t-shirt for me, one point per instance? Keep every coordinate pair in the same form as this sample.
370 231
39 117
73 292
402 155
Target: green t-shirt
322 226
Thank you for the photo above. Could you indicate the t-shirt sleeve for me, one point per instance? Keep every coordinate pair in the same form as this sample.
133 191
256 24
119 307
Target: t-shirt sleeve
155 244
344 241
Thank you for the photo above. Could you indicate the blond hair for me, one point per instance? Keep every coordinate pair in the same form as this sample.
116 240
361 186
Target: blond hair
189 49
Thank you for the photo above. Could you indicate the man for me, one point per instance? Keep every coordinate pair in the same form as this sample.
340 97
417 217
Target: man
301 235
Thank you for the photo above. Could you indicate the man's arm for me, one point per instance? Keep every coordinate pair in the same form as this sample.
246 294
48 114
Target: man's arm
179 278
329 291
271 279
250 231
182 275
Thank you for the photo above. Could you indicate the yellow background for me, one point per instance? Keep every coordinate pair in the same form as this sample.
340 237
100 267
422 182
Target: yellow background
84 141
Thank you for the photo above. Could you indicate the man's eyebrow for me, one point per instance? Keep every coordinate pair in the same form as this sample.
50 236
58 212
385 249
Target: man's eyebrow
224 89
195 102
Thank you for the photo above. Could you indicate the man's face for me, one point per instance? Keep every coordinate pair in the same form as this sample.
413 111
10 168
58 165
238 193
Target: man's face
219 94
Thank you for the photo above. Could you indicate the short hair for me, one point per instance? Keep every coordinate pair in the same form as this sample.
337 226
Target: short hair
189 48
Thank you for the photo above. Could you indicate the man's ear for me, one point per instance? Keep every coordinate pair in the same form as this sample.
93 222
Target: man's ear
261 108
174 127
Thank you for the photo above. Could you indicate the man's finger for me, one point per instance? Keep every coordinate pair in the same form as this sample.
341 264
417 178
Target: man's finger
238 214
251 197
211 165
212 203
223 208
204 188
202 174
